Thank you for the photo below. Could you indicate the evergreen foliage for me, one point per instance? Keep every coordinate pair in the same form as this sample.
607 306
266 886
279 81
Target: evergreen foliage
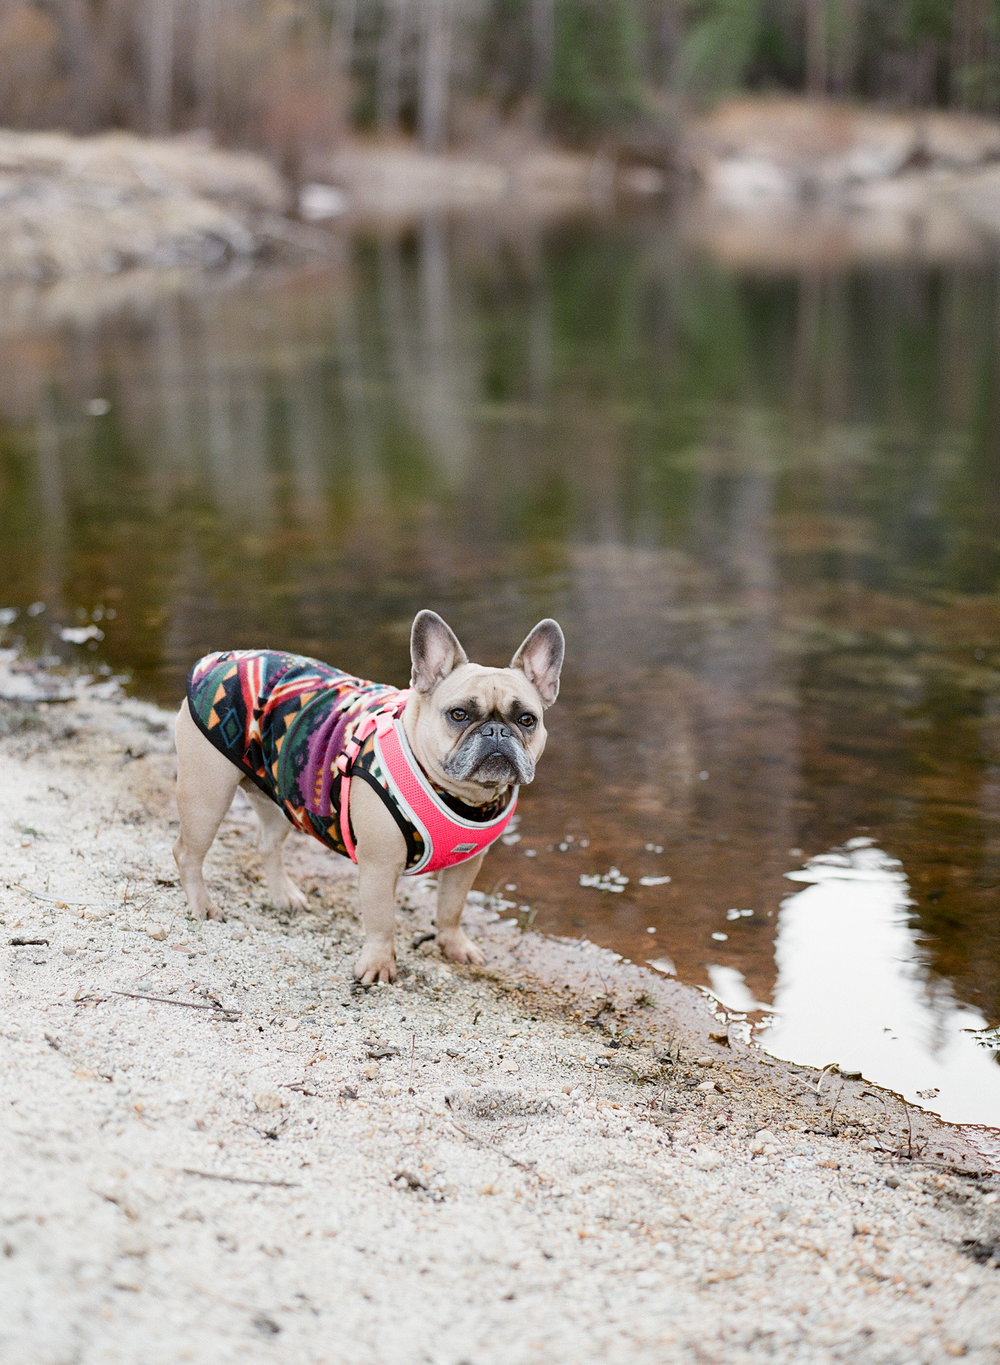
594 86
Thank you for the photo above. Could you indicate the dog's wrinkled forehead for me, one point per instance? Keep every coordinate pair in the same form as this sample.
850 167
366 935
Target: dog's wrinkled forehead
494 691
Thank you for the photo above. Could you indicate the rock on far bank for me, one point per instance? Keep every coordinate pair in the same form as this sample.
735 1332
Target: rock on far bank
752 150
98 205
817 183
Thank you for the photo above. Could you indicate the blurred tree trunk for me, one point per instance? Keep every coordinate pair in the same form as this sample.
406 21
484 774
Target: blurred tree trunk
160 63
543 41
78 45
434 62
844 45
669 36
390 65
816 55
206 61
345 22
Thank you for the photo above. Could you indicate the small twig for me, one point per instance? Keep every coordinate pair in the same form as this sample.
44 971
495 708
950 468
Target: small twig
240 1179
887 1158
219 1010
413 1048
104 821
526 917
39 699
486 1144
28 942
909 1131
41 896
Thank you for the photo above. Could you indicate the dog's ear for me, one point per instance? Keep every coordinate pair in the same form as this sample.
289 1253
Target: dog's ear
540 658
434 650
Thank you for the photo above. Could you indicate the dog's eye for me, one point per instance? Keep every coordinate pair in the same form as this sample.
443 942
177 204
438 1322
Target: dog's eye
526 721
459 715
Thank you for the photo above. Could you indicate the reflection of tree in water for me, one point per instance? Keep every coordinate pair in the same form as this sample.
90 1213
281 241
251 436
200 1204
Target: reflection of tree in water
763 507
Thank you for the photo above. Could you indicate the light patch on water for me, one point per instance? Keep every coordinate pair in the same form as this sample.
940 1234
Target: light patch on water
731 990
613 880
853 990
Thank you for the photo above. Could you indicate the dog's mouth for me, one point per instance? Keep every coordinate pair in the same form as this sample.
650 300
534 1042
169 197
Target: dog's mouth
491 762
495 770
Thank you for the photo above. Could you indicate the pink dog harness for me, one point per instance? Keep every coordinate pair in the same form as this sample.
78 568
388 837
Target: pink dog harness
447 838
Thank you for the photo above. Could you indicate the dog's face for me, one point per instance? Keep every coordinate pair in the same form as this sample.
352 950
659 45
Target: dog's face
476 730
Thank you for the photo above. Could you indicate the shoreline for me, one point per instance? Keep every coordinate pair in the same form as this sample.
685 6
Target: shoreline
761 183
219 1145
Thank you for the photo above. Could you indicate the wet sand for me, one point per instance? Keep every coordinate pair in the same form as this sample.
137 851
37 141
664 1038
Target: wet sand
216 1146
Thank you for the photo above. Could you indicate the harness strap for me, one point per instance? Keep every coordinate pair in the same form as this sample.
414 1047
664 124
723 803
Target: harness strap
367 723
447 838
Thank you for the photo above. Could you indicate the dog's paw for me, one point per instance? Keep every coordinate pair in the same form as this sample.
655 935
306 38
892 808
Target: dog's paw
375 964
458 947
285 895
203 908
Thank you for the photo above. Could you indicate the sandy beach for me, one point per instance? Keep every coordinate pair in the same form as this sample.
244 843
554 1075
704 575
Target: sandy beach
216 1147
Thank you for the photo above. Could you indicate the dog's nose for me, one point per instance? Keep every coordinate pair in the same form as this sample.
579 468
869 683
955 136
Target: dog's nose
494 729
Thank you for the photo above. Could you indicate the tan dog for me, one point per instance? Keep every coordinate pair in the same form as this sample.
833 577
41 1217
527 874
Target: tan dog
475 732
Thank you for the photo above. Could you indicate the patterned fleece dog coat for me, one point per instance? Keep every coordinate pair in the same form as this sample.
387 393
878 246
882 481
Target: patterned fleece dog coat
289 723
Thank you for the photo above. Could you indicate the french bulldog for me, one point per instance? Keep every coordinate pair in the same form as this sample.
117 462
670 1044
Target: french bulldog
475 732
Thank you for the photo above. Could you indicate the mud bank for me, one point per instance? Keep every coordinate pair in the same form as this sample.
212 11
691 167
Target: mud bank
216 1147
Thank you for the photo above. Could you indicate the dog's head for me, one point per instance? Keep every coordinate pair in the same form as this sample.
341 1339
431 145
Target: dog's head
475 730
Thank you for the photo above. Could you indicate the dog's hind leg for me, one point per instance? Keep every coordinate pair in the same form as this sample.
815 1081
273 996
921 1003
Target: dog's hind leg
274 829
206 785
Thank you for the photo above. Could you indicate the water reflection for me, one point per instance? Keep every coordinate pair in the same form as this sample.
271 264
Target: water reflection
765 507
853 990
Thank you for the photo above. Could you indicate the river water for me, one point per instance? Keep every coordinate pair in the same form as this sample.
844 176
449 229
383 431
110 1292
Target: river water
764 504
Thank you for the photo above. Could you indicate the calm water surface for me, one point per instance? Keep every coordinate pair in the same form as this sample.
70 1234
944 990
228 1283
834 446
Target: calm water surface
766 509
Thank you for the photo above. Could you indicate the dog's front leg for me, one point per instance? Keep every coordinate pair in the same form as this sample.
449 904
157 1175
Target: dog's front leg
454 885
381 853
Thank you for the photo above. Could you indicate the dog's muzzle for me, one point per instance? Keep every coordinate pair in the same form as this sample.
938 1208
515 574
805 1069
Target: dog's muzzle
494 755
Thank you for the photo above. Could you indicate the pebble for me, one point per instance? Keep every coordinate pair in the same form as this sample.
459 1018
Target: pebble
157 931
764 1143
371 1071
706 1159
268 1101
